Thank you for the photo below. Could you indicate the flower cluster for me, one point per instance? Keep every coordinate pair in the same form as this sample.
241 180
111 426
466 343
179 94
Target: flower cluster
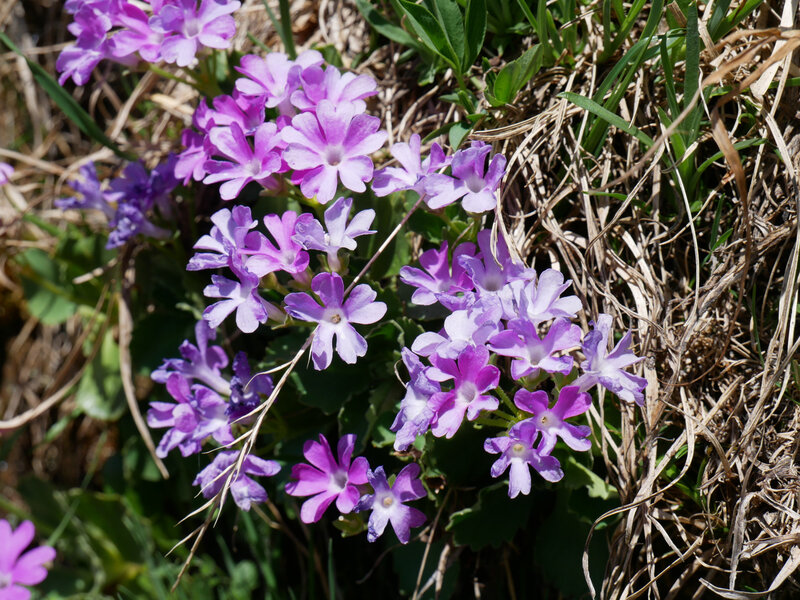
18 569
129 202
347 482
153 30
500 307
208 404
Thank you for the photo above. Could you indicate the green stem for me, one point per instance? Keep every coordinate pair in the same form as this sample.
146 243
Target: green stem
167 75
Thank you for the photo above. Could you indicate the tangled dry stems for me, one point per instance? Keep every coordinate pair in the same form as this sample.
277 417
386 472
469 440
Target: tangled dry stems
706 472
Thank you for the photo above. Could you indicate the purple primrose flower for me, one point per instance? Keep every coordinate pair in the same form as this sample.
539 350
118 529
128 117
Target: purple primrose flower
335 143
327 479
188 26
335 317
18 569
551 421
88 187
416 413
606 368
531 353
274 77
246 391
285 255
438 282
517 451
412 173
469 182
329 84
246 163
244 490
462 329
540 301
339 234
388 503
472 376
226 240
198 414
240 296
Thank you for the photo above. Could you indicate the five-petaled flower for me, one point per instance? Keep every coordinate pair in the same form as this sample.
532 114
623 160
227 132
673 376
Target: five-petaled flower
388 503
327 479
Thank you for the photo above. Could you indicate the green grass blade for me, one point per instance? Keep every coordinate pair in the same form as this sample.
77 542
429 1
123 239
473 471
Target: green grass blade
606 115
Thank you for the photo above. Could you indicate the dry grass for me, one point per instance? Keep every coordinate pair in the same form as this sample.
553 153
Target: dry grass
707 471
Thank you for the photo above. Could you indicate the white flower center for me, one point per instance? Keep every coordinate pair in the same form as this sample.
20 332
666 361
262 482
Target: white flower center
387 501
546 419
475 183
467 392
191 27
340 479
254 166
5 580
493 282
518 449
334 316
334 155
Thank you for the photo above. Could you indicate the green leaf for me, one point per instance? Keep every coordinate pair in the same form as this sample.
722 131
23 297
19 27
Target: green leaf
428 28
475 31
458 132
100 392
494 519
50 296
67 103
512 77
383 26
452 21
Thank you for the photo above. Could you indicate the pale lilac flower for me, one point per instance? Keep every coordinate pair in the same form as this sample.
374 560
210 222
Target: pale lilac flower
472 377
438 282
137 35
339 234
246 391
244 490
539 301
491 270
462 329
191 162
226 240
388 503
340 89
606 368
129 220
5 172
517 451
247 164
470 182
18 569
413 170
416 413
88 187
274 76
532 353
327 479
211 25
198 414
335 143
240 296
551 421
284 255
335 317
77 61
201 362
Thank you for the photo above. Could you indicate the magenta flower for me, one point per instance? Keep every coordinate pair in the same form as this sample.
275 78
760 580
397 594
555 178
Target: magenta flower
198 414
438 282
247 164
531 353
388 503
335 317
606 368
285 255
17 569
247 111
225 242
469 182
5 172
327 479
77 61
191 162
240 296
137 35
244 490
472 376
335 143
340 89
188 27
517 451
551 421
274 77
340 234
412 172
